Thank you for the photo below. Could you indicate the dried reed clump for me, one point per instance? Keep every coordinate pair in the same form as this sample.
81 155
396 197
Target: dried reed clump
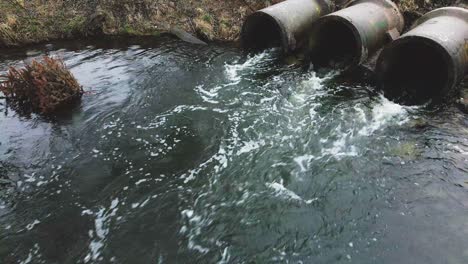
41 86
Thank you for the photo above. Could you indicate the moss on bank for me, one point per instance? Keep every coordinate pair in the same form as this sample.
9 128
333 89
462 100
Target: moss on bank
23 22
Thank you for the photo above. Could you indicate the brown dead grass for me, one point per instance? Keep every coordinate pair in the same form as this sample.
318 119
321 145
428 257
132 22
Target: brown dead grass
41 86
41 20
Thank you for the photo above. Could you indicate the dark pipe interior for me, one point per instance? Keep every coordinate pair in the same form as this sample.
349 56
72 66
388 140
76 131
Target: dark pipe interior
261 32
414 73
334 45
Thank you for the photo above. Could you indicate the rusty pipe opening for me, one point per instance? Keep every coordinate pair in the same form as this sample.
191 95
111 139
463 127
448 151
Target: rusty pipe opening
335 43
415 70
261 31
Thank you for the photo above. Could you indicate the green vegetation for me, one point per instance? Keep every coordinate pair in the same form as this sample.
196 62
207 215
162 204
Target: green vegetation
128 30
207 18
75 25
407 151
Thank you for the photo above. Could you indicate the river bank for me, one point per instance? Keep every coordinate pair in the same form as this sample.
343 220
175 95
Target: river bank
27 22
38 21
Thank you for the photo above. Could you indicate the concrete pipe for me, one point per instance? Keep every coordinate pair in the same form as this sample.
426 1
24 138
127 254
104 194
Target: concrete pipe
282 25
429 61
348 37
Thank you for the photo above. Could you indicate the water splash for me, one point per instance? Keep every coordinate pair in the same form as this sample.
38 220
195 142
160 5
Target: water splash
101 230
385 112
235 72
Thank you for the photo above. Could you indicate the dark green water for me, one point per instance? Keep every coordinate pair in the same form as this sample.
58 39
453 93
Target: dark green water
195 154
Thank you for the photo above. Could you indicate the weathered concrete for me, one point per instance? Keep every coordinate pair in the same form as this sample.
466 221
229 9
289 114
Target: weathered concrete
429 61
285 24
347 38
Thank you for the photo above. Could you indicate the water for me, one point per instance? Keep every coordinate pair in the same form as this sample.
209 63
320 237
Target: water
196 154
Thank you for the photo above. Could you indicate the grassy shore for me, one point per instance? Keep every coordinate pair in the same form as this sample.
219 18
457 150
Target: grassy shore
24 22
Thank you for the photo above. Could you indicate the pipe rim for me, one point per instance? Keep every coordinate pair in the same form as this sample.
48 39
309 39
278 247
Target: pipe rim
459 12
285 40
389 3
386 53
357 36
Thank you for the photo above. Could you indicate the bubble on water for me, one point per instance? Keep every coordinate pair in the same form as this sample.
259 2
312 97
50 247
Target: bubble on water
30 226
141 181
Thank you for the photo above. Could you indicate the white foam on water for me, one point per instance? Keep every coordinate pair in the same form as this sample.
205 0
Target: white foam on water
303 161
309 89
250 146
141 181
233 71
226 151
340 148
245 196
207 96
384 113
281 191
196 223
101 230
225 256
458 149
33 254
184 108
222 162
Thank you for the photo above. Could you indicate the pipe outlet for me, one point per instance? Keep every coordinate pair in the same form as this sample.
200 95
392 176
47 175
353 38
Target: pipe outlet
429 61
282 25
348 37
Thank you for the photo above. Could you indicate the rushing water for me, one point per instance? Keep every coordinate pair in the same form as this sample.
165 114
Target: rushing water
197 154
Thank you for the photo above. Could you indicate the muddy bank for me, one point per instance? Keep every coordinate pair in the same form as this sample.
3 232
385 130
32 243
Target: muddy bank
24 22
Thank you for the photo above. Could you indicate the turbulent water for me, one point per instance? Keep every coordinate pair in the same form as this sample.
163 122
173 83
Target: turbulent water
199 154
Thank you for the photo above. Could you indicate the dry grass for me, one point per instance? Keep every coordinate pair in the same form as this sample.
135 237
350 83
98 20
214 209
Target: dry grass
7 36
408 5
41 86
41 20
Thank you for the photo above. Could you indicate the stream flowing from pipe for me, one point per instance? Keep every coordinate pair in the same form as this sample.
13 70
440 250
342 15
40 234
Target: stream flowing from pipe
198 154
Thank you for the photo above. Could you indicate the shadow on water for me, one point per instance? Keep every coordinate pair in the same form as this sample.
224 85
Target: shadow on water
182 153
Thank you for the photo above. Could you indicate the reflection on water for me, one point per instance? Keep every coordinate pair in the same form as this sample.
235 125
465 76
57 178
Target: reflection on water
189 154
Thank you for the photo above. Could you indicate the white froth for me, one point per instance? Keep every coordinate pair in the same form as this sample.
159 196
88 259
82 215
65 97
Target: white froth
101 230
384 113
233 71
281 191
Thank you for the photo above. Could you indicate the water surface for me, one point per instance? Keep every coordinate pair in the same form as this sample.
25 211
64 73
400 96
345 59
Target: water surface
198 154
